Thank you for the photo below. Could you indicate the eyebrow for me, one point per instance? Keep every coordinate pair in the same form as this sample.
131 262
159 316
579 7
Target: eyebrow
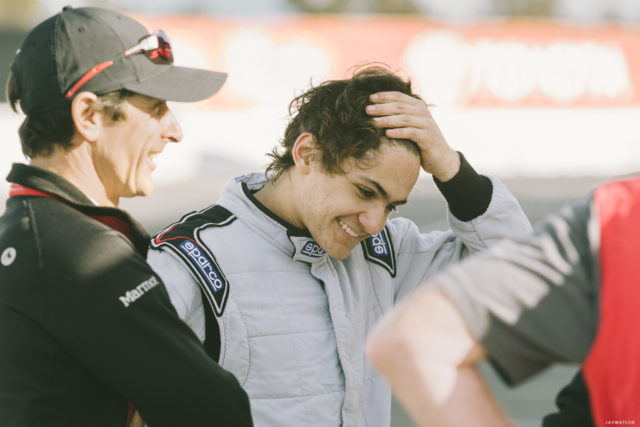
383 192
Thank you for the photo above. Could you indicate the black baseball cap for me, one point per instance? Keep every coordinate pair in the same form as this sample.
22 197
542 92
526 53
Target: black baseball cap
58 52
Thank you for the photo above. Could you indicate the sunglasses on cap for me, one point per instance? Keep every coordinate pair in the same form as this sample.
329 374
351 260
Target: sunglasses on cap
156 47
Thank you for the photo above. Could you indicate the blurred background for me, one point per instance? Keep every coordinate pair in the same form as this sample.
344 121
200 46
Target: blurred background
544 94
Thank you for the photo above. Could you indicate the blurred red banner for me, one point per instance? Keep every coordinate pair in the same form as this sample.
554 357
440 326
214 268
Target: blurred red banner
494 64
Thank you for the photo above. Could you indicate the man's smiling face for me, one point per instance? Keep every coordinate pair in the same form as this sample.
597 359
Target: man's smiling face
125 156
341 210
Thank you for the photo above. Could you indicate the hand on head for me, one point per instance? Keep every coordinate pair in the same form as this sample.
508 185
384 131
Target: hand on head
407 117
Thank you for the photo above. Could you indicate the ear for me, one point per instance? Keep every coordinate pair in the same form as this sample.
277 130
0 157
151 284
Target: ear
87 120
303 152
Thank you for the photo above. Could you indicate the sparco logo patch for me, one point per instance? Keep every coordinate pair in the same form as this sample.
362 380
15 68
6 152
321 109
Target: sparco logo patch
205 265
184 241
132 295
312 249
379 250
379 244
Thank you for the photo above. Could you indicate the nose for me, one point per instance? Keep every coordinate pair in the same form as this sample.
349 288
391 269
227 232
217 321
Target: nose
374 218
171 130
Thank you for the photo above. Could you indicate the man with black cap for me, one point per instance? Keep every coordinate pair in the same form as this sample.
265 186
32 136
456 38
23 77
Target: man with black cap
87 330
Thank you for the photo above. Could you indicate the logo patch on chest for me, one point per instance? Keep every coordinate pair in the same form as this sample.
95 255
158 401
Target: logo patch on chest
379 250
8 256
312 249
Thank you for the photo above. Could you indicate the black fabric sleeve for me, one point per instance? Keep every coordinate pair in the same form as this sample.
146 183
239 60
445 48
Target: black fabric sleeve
573 405
529 286
467 193
114 316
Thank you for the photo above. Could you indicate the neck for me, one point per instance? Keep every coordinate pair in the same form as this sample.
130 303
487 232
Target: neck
76 166
277 196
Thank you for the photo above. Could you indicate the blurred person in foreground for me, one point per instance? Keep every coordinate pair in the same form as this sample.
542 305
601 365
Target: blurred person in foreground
87 330
567 294
286 274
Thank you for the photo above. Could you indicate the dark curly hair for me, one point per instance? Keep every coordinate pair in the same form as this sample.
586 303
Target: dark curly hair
334 112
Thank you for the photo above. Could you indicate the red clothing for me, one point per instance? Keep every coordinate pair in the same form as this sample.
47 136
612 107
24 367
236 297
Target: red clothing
612 368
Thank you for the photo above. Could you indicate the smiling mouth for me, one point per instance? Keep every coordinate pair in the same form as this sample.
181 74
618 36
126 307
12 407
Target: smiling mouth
152 158
349 230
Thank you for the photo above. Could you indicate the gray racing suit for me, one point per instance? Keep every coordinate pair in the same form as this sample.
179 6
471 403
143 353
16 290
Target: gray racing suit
292 321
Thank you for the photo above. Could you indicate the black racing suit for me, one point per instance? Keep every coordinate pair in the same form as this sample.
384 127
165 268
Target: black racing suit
86 327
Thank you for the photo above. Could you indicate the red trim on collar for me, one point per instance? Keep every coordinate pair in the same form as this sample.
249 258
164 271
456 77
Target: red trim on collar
110 221
19 190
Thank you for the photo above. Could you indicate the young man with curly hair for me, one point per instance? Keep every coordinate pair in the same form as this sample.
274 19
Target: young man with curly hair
286 274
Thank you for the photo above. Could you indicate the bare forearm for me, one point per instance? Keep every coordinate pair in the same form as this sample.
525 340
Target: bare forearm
465 400
428 356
